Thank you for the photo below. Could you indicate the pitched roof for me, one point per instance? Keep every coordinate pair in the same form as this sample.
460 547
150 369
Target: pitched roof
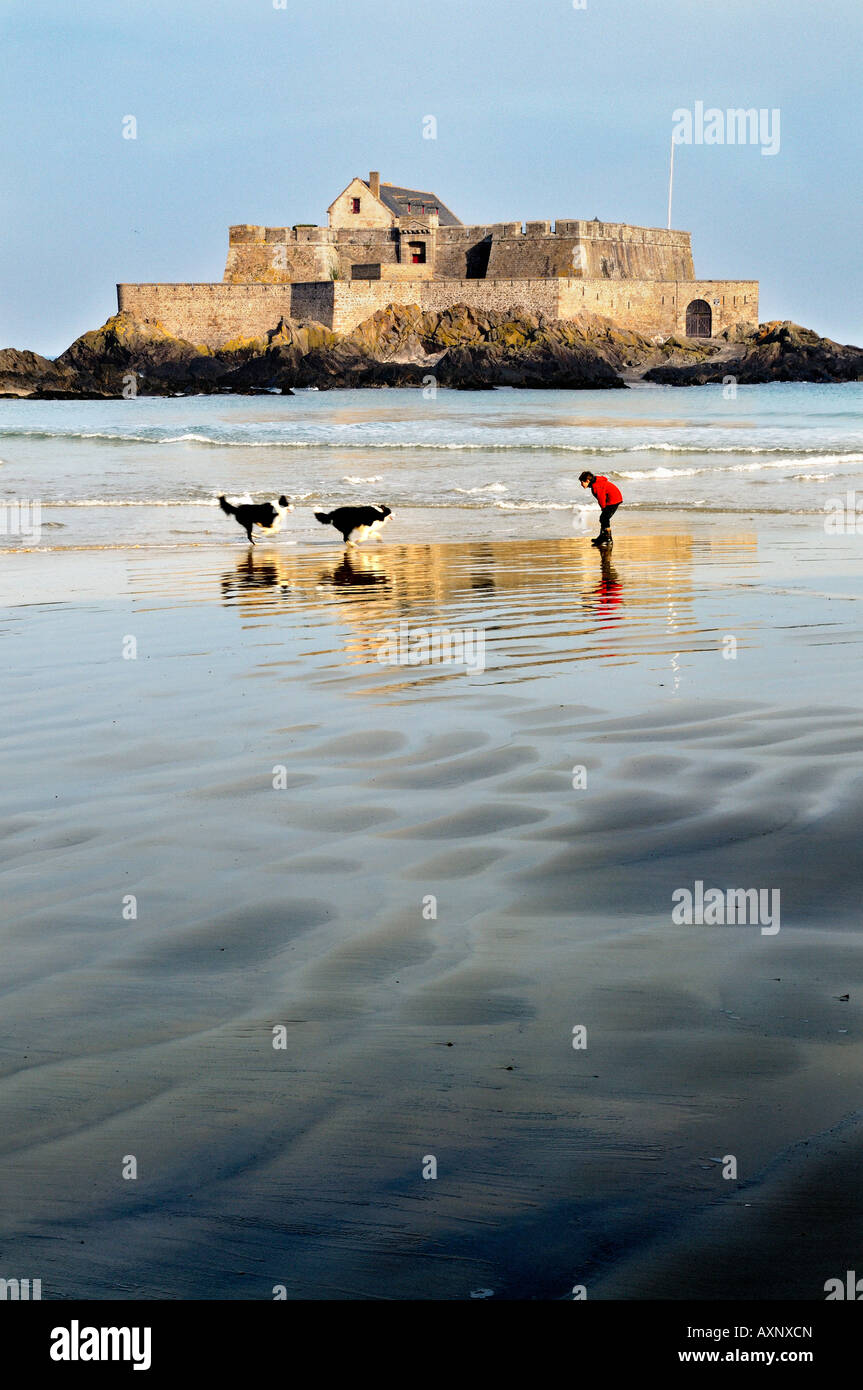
404 201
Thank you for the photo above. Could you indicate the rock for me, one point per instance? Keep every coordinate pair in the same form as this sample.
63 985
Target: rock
778 351
539 366
23 373
402 345
127 356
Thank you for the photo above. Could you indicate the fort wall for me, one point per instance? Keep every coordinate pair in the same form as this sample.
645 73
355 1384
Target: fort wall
594 250
502 250
650 306
355 301
213 314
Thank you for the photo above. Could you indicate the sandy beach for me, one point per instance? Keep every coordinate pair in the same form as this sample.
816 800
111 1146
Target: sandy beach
284 922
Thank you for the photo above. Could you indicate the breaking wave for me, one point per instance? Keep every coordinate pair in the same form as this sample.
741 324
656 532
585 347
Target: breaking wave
487 487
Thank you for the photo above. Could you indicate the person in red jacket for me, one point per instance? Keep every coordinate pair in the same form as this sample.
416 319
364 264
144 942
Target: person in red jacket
609 498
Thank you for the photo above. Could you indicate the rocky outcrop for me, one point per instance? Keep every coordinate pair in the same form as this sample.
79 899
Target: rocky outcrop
20 371
402 346
466 348
127 357
773 352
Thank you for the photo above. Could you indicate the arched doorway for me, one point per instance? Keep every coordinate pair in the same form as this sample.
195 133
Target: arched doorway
699 319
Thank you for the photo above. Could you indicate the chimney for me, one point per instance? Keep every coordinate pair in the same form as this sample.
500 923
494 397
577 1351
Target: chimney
375 183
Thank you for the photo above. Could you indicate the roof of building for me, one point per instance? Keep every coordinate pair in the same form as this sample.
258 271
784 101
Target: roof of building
405 201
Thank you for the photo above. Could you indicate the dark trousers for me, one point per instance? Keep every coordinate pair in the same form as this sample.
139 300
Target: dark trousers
605 518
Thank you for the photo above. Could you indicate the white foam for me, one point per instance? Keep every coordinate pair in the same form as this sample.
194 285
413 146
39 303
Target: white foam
487 487
133 502
534 506
659 472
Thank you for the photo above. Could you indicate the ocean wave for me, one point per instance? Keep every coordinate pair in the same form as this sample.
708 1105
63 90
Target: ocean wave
180 439
375 478
659 472
535 506
786 461
487 487
132 502
332 436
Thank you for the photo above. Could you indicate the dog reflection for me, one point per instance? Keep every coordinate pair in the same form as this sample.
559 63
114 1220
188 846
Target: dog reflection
356 568
257 570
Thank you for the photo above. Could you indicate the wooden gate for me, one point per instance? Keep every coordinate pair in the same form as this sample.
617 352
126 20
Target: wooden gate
699 319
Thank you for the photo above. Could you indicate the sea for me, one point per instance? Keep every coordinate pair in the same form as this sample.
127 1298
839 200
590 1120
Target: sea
147 471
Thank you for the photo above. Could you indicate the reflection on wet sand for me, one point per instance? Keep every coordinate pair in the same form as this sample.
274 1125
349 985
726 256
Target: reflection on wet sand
607 595
355 569
255 571
296 900
537 601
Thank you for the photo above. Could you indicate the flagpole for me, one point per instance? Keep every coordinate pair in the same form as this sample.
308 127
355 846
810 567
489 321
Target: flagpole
670 179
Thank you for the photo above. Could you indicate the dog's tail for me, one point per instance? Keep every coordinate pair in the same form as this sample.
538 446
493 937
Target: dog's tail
226 506
324 517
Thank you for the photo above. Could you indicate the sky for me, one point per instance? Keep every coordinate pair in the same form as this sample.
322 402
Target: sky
263 110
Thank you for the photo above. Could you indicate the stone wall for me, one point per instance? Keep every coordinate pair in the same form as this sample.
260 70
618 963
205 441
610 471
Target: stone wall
406 273
731 302
214 314
357 300
656 306
462 252
502 250
595 250
365 248
280 255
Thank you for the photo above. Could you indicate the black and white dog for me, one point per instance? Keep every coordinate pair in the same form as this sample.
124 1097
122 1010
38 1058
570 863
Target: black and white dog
267 516
356 523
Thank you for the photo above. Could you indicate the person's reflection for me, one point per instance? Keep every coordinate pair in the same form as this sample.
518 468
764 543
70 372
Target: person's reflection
358 569
606 596
256 570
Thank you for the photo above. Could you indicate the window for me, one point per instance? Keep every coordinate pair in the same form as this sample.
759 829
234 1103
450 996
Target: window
355 204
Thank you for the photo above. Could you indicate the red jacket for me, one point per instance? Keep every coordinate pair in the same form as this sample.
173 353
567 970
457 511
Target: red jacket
605 492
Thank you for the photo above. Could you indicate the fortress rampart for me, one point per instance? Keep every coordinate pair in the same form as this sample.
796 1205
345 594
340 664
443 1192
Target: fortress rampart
385 244
502 250
213 314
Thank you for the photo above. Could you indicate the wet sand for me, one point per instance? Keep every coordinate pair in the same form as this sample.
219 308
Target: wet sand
428 907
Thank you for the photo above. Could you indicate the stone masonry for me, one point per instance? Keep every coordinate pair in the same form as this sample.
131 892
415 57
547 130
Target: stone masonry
390 245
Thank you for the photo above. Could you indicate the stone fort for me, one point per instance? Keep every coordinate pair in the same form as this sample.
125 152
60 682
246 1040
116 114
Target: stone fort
390 245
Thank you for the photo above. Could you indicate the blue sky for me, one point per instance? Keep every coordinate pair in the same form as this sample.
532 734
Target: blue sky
249 113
